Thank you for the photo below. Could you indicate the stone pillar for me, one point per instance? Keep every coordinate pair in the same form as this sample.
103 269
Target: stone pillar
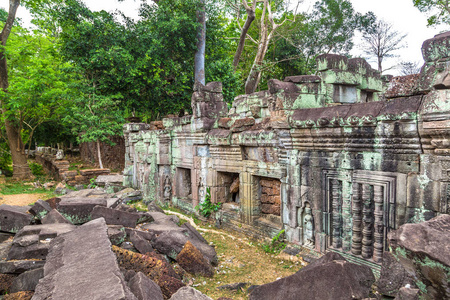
337 218
367 221
249 207
346 216
379 227
357 220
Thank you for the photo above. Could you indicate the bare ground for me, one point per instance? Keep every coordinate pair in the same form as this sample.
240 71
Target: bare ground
21 199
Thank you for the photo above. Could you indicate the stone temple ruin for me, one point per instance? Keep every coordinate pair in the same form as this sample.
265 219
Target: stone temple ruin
337 160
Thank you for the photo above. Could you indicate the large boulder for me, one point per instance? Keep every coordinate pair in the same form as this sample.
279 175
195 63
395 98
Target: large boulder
330 277
424 251
81 265
14 218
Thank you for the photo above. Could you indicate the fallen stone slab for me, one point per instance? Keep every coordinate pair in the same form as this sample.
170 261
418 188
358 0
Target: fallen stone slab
154 266
105 180
14 218
27 281
119 217
144 288
423 249
116 234
54 217
189 293
141 244
152 207
33 241
328 278
79 210
162 223
81 265
40 209
20 266
171 243
393 276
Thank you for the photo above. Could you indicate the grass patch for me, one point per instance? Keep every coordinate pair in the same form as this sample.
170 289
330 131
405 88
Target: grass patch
139 205
18 187
242 261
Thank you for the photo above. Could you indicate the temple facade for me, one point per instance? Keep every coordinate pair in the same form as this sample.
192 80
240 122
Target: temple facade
337 160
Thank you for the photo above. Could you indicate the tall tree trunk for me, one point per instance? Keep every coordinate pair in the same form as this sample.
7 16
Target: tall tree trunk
248 22
99 155
21 170
199 59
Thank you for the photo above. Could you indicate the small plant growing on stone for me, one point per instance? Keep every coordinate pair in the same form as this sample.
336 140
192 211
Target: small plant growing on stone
207 207
276 245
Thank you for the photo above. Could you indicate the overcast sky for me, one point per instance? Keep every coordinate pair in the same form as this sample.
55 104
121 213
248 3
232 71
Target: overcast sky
401 13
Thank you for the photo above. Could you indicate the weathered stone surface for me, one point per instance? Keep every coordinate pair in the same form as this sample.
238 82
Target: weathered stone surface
33 241
193 261
153 266
194 233
27 281
144 288
14 218
79 210
20 266
152 207
161 223
437 47
81 264
403 86
393 276
119 217
171 243
431 238
53 202
140 243
54 217
424 251
116 234
104 180
40 209
189 293
330 277
408 294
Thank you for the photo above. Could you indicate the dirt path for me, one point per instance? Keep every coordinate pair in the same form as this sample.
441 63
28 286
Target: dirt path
21 199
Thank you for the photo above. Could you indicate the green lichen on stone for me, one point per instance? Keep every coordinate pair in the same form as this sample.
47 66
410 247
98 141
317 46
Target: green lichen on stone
76 219
371 160
422 286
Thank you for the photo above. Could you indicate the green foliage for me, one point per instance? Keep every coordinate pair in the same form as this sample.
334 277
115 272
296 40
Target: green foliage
15 188
36 169
276 245
206 208
438 11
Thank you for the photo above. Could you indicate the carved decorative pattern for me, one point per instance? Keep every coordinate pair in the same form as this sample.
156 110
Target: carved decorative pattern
337 224
346 216
357 220
367 240
379 227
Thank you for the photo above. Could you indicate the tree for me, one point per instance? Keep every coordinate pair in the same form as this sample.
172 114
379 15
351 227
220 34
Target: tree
439 10
268 28
409 68
199 59
21 169
381 41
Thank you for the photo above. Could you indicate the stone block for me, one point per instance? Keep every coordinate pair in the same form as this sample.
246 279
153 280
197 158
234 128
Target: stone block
14 218
144 288
119 217
437 48
40 209
27 281
193 261
116 234
54 217
79 210
140 243
20 266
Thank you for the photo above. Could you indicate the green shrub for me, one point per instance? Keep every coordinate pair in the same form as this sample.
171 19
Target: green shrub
276 245
36 169
207 207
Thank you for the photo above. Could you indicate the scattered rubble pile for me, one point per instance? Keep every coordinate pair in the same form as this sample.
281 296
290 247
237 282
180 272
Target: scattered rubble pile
89 244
